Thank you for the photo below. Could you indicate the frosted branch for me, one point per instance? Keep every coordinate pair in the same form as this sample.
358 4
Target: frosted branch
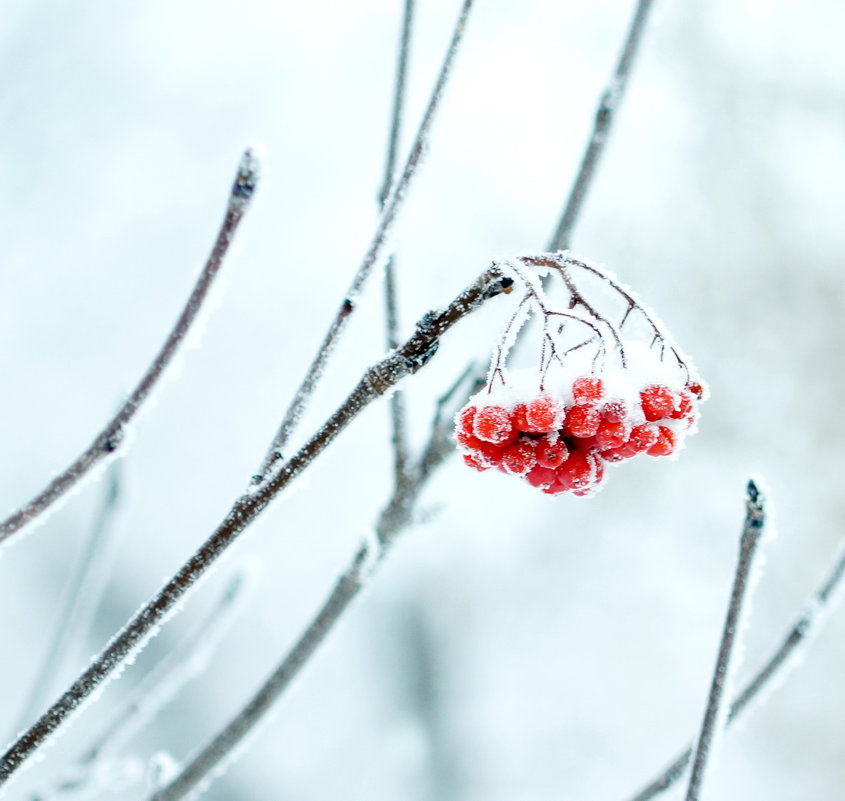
716 711
606 113
109 440
161 685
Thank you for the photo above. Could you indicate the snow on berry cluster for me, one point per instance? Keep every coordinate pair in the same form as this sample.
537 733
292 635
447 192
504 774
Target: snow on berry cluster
562 440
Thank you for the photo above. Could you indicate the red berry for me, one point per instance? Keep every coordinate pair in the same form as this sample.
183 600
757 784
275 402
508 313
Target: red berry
595 482
615 411
696 390
544 414
583 421
467 440
489 453
471 461
611 435
658 402
557 488
518 417
684 407
551 451
665 444
643 437
492 424
541 477
465 419
578 470
518 459
588 389
625 451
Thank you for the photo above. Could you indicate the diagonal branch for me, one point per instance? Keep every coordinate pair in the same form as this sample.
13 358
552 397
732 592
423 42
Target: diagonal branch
164 681
212 758
392 206
111 437
609 104
716 711
376 381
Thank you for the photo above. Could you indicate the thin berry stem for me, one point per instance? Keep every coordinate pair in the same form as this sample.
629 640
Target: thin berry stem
392 206
606 113
376 381
109 440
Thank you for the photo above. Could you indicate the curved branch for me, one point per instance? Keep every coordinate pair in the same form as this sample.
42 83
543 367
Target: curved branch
111 437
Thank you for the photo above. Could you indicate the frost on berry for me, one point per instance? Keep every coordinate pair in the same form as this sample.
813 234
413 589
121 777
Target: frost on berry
543 414
588 389
493 424
610 385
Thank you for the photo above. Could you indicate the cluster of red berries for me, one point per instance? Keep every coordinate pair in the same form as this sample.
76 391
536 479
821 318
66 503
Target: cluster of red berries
563 447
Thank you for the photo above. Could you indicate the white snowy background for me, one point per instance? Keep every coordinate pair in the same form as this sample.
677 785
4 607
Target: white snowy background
517 647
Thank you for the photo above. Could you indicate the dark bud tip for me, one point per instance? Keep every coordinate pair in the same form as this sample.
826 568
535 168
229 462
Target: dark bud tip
756 504
501 286
246 179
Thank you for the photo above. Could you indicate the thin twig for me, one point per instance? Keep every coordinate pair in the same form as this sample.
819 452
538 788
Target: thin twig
398 101
388 217
111 437
776 668
377 380
609 104
399 437
81 599
716 711
155 691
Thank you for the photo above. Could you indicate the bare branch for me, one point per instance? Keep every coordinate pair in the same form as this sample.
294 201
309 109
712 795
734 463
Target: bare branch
399 438
716 711
775 669
392 206
609 104
219 748
161 684
379 379
81 599
111 437
398 101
